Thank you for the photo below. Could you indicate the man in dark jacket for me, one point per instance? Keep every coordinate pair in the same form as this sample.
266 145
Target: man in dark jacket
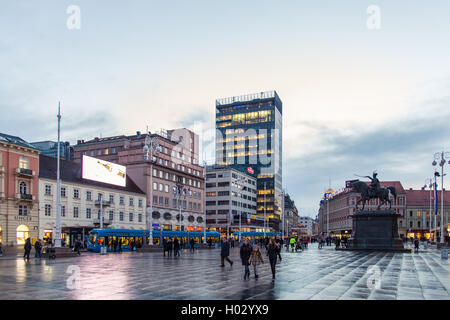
225 252
192 244
37 249
77 247
246 251
272 252
176 247
27 249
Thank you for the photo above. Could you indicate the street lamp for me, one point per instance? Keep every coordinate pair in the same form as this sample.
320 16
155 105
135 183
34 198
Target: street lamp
240 184
151 145
180 194
429 182
443 156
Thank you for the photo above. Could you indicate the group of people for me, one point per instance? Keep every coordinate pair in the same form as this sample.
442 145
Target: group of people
252 256
171 245
298 243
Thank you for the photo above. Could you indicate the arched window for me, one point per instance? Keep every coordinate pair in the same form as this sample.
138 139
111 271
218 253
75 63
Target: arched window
22 234
23 187
23 162
156 215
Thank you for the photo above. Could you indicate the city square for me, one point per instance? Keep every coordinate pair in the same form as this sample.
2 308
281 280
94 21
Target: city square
316 274
167 150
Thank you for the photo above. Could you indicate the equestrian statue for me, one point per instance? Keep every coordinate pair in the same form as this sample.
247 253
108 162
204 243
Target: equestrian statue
372 191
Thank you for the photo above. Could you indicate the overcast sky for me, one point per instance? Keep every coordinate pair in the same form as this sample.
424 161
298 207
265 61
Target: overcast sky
354 99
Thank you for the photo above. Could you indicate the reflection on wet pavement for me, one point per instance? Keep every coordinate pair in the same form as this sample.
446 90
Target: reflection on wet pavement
312 274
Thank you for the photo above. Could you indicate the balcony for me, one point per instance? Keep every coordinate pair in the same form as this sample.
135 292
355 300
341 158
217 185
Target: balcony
25 172
105 221
24 197
104 204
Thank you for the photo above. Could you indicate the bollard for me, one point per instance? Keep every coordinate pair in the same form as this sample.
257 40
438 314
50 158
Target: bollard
103 250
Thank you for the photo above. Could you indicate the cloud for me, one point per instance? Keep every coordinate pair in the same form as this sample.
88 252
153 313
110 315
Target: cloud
398 150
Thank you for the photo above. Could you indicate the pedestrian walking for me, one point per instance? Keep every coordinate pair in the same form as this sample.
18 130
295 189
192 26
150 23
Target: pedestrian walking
232 242
272 250
170 246
176 247
225 252
279 251
1 250
416 245
245 252
255 260
192 244
27 249
77 247
292 242
38 249
210 243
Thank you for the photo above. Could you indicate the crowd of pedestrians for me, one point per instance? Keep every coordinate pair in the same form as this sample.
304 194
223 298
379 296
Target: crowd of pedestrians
251 254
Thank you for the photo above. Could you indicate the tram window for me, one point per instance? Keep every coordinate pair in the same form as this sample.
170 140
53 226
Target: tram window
92 238
156 241
101 240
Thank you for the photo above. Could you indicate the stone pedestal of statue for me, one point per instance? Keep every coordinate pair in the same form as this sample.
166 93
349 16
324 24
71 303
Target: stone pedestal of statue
375 231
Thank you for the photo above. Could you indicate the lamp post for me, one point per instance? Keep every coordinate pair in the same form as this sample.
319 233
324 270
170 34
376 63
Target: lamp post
240 184
204 202
429 183
443 156
265 204
150 145
179 193
58 185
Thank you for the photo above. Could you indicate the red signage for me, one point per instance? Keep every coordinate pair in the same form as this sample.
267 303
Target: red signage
250 170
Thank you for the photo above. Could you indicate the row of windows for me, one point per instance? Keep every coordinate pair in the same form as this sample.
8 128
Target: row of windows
164 201
174 178
165 188
110 214
418 224
76 195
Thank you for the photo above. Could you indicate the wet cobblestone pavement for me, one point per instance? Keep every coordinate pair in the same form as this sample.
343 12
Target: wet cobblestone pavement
311 274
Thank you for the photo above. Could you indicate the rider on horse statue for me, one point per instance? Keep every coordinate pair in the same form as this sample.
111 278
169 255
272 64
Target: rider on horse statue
374 185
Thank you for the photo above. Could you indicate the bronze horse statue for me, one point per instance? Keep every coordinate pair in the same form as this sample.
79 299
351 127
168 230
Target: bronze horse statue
367 194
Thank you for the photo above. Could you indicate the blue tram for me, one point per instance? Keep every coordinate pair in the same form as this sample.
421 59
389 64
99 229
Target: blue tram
254 237
132 239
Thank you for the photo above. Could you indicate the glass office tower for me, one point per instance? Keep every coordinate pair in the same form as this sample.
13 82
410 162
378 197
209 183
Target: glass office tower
249 139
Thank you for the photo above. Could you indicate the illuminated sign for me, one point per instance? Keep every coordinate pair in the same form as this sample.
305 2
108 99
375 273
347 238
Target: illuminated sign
103 171
250 170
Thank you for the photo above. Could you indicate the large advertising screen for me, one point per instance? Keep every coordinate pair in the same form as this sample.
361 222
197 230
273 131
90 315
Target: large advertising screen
103 171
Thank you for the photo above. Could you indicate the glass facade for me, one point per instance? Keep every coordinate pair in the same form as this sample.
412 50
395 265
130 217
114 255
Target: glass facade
249 139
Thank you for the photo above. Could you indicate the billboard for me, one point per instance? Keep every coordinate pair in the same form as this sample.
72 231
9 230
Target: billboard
103 171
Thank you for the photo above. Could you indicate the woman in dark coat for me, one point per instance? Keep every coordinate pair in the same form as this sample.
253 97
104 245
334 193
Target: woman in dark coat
272 252
246 251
